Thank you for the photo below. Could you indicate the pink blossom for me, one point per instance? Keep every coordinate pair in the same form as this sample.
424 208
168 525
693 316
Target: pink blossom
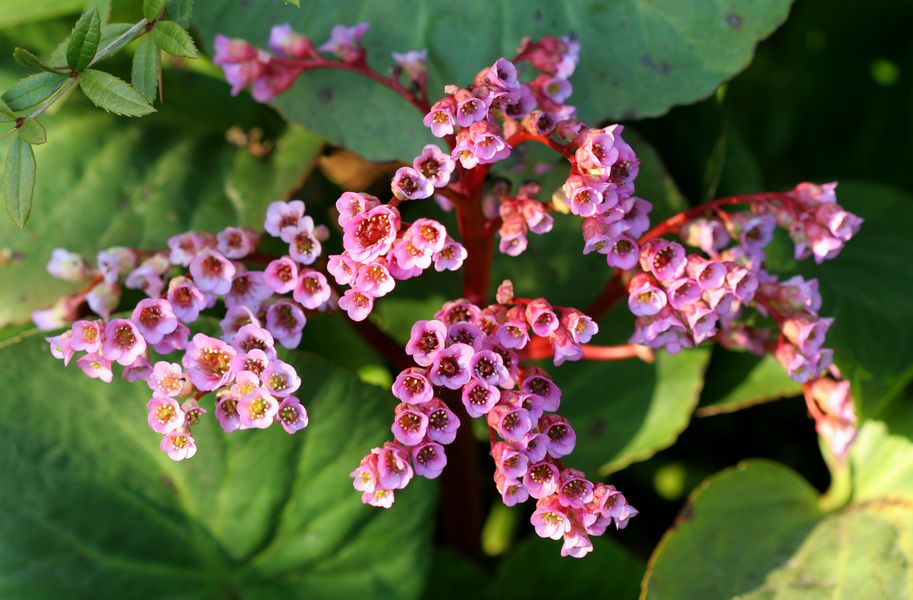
365 476
123 342
451 367
284 219
465 332
285 320
370 235
440 119
414 64
374 279
281 275
409 184
488 366
208 362
147 276
513 335
597 151
429 460
237 242
227 414
176 340
356 304
536 381
644 298
442 422
165 414
511 489
394 470
345 42
312 290
280 379
550 519
230 51
304 246
95 366
212 272
185 299
351 204
434 165
541 318
412 387
285 42
87 336
185 246
561 437
409 425
236 318
154 319
253 336
61 346
541 480
511 423
426 339
291 415
479 398
509 460
451 257
167 379
342 268
67 266
254 361
257 410
178 445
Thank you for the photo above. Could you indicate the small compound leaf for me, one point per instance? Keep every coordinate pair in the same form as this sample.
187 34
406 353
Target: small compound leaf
33 132
146 66
19 181
174 39
152 9
84 41
33 90
113 94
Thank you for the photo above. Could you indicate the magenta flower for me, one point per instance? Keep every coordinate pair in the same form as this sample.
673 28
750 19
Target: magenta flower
427 234
185 246
710 275
165 414
511 489
502 75
178 445
285 42
312 290
409 184
550 519
227 414
285 320
304 246
166 379
345 42
351 204
208 362
644 298
488 366
380 498
356 304
409 256
512 423
254 362
561 437
434 165
479 398
367 236
237 242
451 366
123 342
252 337
426 339
280 379
412 387
342 268
87 336
442 422
291 415
429 460
365 476
440 119
236 318
185 299
451 257
257 410
374 279
541 317
513 335
284 219
409 425
95 366
394 470
597 151
575 490
176 340
147 277
212 272
281 275
465 332
541 480
154 319
509 460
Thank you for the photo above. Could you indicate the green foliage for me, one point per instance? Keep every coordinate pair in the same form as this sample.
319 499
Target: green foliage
737 380
16 12
33 132
673 55
760 531
92 507
113 94
29 60
33 90
174 39
19 181
152 9
146 66
84 41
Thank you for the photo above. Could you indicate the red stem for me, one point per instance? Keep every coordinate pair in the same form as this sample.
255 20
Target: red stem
540 348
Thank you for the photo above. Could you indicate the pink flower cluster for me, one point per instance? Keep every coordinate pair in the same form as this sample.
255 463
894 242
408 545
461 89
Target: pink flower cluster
831 404
817 224
468 355
472 114
520 215
378 250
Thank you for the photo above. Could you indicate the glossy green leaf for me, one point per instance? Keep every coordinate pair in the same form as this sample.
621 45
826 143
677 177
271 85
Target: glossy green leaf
153 8
84 41
649 55
146 65
253 514
760 531
15 12
29 60
180 11
626 411
28 93
737 380
33 132
19 181
113 94
109 33
174 39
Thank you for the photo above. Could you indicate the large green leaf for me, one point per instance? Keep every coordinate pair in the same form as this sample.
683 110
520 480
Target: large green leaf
113 94
760 531
92 507
737 380
626 411
19 181
638 58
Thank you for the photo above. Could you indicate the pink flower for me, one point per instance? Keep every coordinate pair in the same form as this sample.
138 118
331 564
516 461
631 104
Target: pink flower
147 277
185 299
284 219
644 298
536 381
208 362
409 184
176 340
237 242
451 257
465 332
394 470
451 366
212 272
87 336
304 246
442 422
227 414
511 423
426 339
185 246
251 337
254 361
351 204
285 42
576 543
154 319
623 253
550 519
412 387
291 415
541 480
434 165
342 268
122 342
440 119
257 409
96 367
67 266
575 490
479 398
312 290
541 317
409 425
166 379
178 445
345 42
429 460
374 279
285 320
230 51
61 347
414 64
165 414
281 275
509 460
513 335
236 318
597 151
356 304
370 235
280 379
365 476
561 437
488 366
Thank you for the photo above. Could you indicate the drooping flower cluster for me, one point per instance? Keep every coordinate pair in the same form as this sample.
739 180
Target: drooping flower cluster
831 404
468 355
521 214
252 386
378 250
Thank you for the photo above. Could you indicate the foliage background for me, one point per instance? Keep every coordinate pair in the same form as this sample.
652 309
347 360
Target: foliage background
91 507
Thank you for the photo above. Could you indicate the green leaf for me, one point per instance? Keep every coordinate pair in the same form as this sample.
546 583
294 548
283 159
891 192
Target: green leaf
109 33
253 514
174 39
16 12
760 531
6 114
146 65
626 411
19 181
28 93
737 380
536 565
179 11
295 3
649 56
29 60
113 94
84 41
152 9
33 132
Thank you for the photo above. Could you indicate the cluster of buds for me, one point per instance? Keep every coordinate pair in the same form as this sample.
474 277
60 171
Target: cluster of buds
252 386
468 355
831 405
521 214
378 250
